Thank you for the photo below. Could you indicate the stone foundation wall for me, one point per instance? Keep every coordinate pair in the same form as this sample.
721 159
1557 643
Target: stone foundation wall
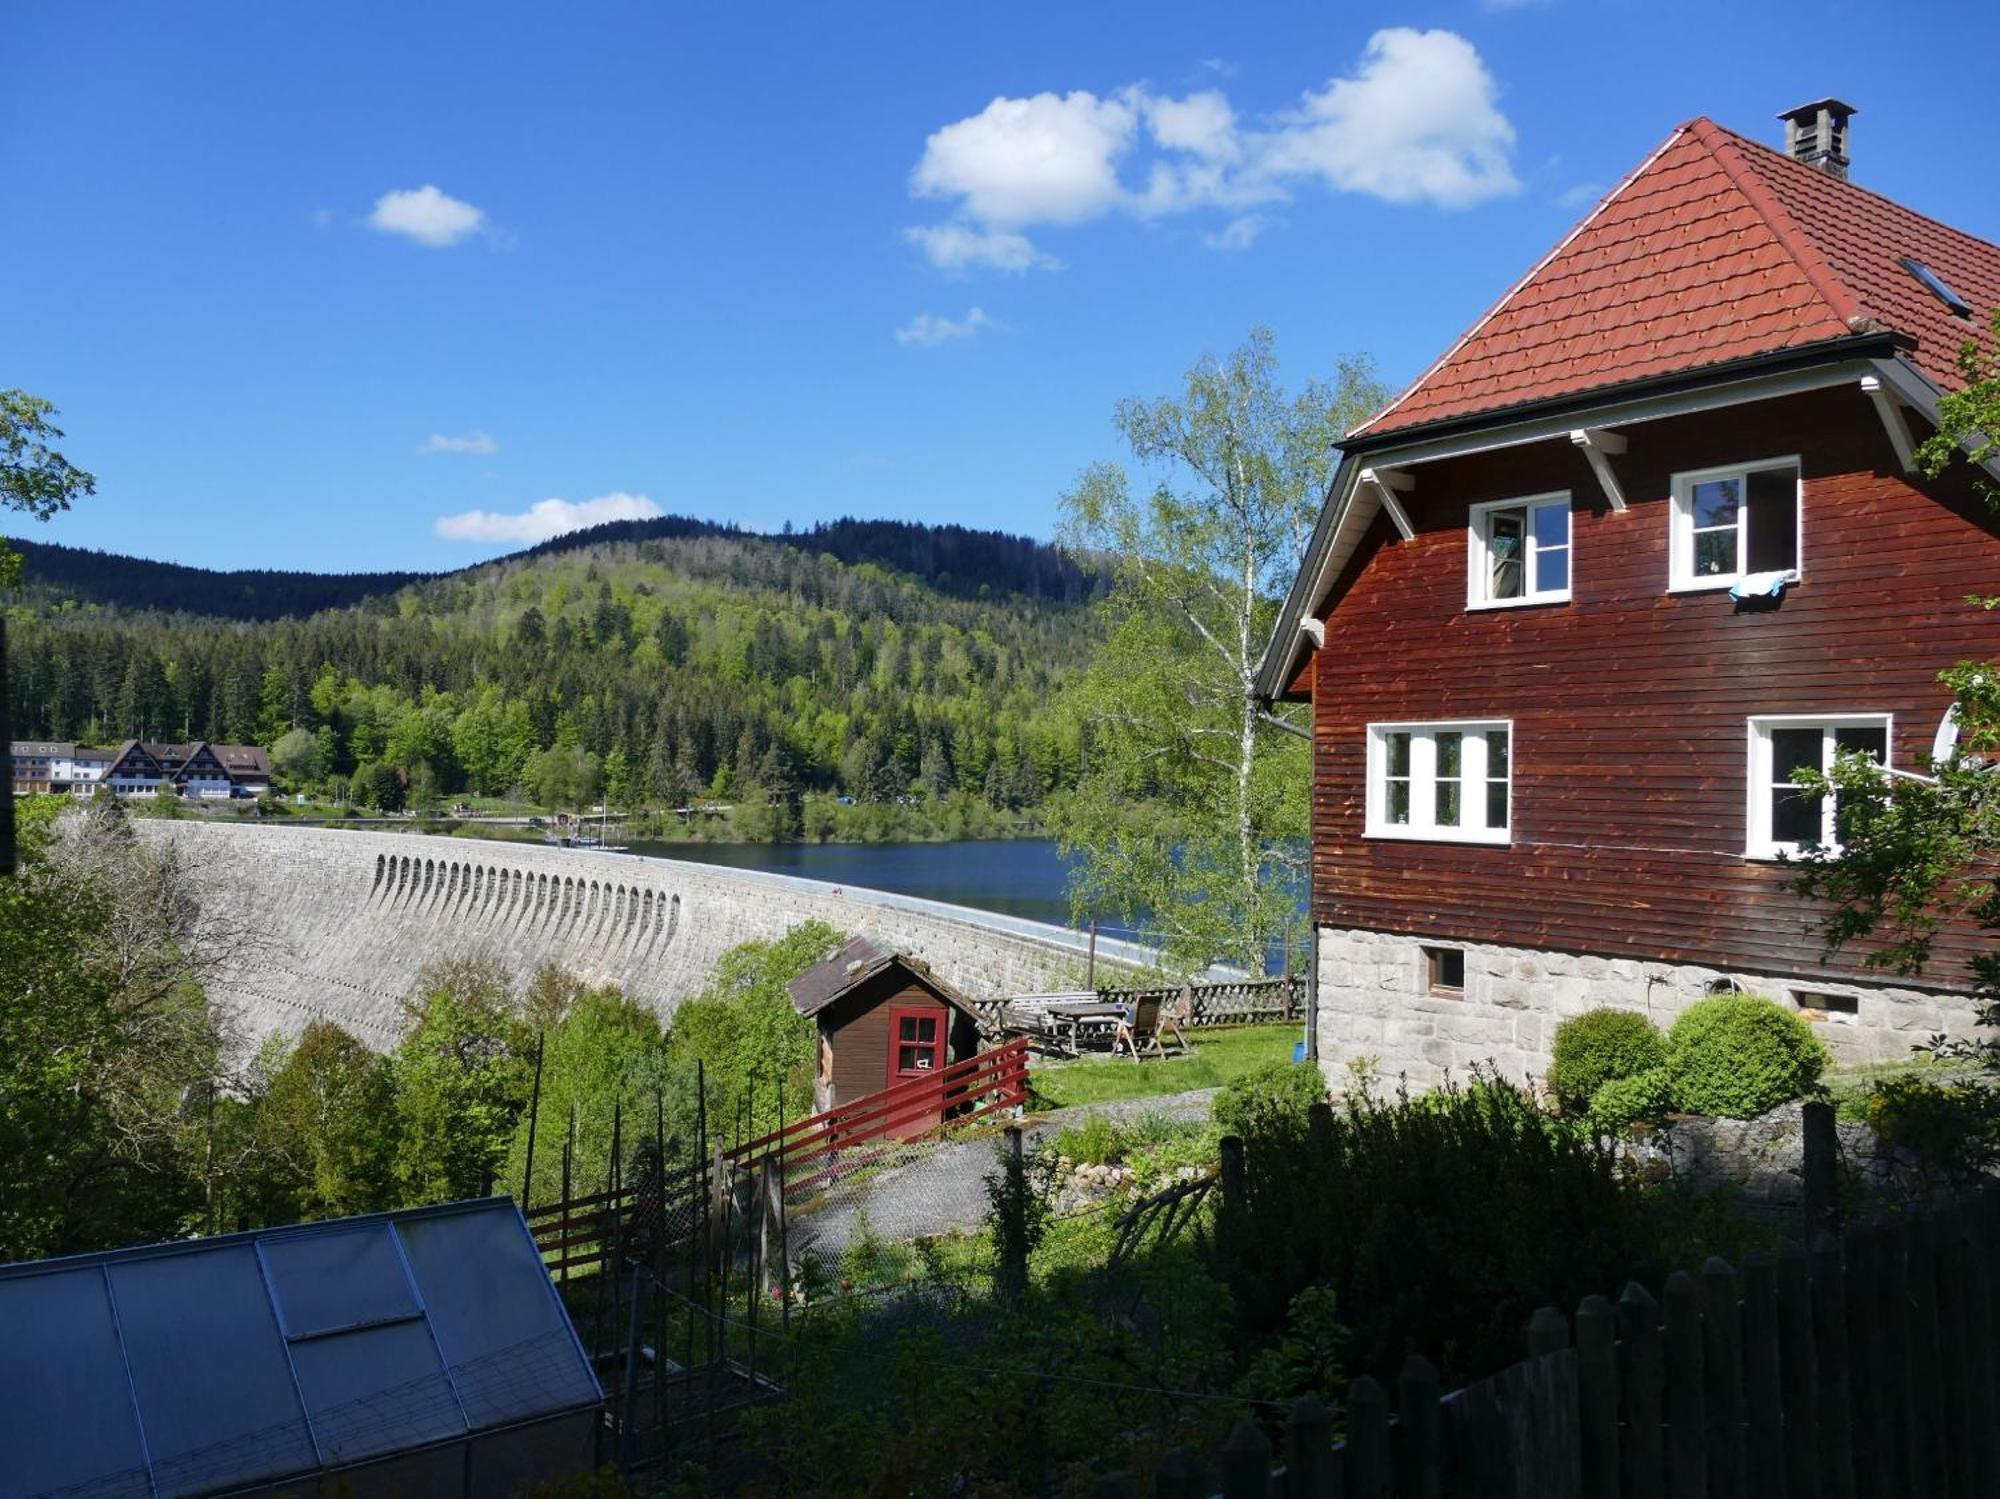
1378 1010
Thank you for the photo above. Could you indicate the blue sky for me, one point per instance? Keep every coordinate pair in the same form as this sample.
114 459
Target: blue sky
666 251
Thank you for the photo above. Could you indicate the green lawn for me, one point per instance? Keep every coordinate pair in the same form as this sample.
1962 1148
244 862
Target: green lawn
1217 1057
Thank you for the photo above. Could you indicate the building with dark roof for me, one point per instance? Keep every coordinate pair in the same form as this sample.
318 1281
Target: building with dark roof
419 1352
884 1018
1646 540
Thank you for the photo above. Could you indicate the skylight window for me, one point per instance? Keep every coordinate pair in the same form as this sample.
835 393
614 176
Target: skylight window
1935 285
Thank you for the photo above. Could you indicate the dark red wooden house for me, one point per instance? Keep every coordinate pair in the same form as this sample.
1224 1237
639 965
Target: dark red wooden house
1646 540
884 1018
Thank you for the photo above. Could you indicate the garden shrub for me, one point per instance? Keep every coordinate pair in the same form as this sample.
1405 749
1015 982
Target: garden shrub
1625 1101
1953 1129
1271 1099
1598 1047
1095 1142
1441 1223
1739 1055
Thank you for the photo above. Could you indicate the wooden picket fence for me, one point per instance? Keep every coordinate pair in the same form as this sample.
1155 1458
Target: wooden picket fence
1240 1002
1868 1366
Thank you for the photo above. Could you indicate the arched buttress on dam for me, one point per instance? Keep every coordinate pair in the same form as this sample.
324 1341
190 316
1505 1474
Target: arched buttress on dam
344 921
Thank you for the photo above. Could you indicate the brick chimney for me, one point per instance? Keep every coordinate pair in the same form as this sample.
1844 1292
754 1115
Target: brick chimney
1816 134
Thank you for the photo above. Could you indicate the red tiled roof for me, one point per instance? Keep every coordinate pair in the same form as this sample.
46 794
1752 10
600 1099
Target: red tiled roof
1715 249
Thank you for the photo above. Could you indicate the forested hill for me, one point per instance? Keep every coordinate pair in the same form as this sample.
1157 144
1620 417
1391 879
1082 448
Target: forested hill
714 663
954 560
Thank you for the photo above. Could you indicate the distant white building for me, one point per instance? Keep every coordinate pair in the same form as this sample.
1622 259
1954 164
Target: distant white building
211 772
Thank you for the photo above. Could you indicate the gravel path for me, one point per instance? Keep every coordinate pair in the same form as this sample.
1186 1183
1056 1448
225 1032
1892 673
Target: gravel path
944 1186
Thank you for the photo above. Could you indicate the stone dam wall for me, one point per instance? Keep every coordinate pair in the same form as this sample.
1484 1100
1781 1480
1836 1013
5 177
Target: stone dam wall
340 923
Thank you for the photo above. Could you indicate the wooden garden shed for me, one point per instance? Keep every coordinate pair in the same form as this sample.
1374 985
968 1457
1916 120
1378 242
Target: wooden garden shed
884 1018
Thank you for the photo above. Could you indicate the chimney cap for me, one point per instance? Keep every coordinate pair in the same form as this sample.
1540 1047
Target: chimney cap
1811 110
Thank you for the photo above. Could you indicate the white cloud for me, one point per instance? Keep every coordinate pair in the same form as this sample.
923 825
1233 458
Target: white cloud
478 442
1417 121
957 247
926 330
1240 233
1583 195
1046 160
545 518
427 215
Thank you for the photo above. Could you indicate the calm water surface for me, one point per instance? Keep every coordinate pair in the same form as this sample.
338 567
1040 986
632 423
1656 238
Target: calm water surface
1017 876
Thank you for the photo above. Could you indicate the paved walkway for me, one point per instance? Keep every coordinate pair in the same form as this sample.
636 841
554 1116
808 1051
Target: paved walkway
942 1187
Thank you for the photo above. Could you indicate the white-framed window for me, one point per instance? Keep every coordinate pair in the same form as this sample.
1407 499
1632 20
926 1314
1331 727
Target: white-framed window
1729 523
1448 782
1518 552
1783 818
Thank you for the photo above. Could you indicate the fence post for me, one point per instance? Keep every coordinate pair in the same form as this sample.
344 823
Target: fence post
1371 1471
1831 1357
1309 1450
1178 1476
1419 1432
1722 1373
1687 1435
1246 1463
1973 1271
1763 1397
1958 1414
1641 1382
1798 1375
1893 1394
1862 1371
1928 1441
1548 1332
1820 1149
1597 1397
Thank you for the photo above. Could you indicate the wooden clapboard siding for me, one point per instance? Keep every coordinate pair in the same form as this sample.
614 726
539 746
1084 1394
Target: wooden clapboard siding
1630 704
857 1027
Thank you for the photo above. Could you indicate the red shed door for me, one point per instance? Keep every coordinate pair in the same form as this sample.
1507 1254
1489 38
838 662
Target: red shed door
916 1050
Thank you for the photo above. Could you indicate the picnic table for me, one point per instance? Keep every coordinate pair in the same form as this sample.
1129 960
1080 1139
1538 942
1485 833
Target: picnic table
1072 1022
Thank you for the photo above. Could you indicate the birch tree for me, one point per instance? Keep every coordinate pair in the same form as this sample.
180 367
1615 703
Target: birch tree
1189 805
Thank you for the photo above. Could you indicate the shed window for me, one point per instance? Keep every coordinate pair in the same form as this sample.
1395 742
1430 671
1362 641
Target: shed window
1444 781
1784 819
919 1041
1729 523
1519 552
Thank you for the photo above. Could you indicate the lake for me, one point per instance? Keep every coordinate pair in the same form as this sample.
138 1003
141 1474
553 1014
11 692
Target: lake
1016 876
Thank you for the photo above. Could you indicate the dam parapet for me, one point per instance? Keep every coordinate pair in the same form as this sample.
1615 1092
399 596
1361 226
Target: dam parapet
346 920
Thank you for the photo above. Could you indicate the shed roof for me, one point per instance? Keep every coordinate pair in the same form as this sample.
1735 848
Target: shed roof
1715 249
855 961
185 1368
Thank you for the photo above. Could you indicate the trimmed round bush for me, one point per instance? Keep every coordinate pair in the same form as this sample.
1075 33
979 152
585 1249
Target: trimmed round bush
1739 1055
1601 1046
1624 1101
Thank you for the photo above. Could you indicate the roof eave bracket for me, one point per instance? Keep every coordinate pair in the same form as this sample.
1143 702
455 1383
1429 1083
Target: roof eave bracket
1599 446
1890 409
1387 483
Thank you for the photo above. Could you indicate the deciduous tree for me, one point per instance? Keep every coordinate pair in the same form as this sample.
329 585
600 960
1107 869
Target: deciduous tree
1189 804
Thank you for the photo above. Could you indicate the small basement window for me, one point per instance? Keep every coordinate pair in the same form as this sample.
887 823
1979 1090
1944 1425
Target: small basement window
1819 1005
1444 970
1519 552
1729 523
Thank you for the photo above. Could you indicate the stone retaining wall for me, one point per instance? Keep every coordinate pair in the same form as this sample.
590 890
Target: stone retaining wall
1376 1006
345 920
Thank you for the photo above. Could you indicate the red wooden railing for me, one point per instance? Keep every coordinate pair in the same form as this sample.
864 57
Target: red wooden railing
817 1151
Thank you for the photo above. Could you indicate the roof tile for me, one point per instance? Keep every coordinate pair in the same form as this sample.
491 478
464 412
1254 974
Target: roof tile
1716 249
